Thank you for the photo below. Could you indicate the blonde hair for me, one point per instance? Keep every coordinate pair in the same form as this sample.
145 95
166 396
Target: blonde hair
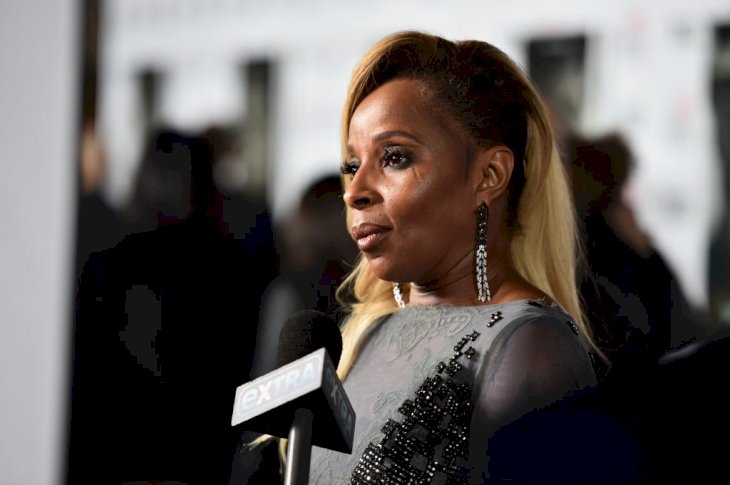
484 91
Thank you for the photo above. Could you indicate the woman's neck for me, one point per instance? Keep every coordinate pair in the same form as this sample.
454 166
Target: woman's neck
459 287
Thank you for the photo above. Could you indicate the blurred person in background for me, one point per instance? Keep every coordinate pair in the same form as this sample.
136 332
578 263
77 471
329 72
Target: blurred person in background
99 225
633 300
656 416
719 253
166 323
316 252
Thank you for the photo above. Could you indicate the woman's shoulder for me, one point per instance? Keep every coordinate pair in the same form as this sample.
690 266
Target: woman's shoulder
538 359
546 317
508 310
543 350
498 319
543 330
489 329
502 316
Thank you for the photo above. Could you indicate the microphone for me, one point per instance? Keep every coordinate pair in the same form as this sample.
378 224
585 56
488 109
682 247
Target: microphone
303 399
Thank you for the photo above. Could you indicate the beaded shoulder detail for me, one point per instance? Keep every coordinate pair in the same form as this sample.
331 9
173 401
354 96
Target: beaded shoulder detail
430 443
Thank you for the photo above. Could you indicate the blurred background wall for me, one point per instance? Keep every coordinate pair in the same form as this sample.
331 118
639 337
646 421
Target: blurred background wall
274 73
278 70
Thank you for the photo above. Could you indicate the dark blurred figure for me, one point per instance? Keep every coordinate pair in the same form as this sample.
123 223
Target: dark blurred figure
166 323
99 225
663 423
661 408
719 252
316 252
636 306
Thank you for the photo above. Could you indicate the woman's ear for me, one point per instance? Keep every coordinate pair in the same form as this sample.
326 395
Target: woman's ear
495 167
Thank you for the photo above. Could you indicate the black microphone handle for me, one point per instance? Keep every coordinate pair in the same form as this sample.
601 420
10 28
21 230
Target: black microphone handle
299 448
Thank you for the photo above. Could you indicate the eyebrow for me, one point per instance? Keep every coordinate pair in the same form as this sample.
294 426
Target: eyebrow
391 134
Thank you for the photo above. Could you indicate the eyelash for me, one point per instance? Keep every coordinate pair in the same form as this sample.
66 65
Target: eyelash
400 152
349 168
404 159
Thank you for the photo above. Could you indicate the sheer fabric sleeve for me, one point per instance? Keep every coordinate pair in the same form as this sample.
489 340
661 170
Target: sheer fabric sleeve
542 361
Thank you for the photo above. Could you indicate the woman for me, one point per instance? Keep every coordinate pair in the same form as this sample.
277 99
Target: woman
466 313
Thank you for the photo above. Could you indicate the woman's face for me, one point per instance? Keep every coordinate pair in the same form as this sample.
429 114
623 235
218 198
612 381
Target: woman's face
412 191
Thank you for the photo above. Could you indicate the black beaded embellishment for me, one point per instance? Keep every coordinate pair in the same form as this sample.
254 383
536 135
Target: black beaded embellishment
496 316
540 303
434 434
573 326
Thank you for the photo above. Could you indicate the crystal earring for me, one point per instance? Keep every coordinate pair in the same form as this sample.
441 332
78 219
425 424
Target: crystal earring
482 215
398 295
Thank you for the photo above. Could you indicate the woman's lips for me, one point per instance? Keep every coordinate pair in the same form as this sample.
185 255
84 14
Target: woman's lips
369 235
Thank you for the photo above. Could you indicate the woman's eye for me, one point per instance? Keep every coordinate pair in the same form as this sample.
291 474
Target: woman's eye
396 157
349 168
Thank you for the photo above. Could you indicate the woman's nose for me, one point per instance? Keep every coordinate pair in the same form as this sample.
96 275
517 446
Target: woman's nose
362 190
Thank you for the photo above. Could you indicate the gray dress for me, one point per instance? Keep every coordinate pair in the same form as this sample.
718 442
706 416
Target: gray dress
432 383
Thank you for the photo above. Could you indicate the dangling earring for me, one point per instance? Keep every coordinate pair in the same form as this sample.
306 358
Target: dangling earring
482 214
398 295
